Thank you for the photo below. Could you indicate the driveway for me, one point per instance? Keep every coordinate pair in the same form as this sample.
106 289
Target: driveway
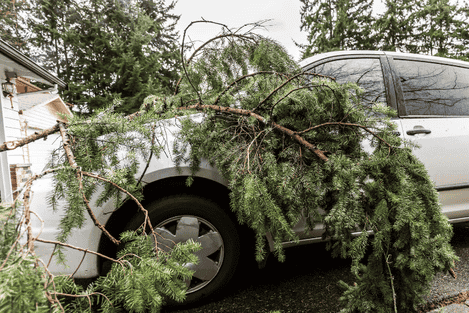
307 282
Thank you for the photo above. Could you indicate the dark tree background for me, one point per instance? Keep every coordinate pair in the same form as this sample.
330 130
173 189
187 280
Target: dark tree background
103 49
434 27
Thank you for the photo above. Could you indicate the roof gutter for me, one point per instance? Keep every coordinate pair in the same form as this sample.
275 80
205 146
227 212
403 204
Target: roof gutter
20 58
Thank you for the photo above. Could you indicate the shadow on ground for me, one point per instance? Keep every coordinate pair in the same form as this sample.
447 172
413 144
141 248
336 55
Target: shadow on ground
306 282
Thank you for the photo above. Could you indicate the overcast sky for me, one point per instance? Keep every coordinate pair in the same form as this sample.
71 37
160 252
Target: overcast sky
284 26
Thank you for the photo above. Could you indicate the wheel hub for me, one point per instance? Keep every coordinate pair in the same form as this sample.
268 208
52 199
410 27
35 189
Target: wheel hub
182 228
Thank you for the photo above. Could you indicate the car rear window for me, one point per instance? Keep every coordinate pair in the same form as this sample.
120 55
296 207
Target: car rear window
434 89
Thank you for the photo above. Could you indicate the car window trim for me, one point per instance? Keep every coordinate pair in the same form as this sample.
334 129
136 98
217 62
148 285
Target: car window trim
399 94
389 83
340 57
416 58
452 187
435 116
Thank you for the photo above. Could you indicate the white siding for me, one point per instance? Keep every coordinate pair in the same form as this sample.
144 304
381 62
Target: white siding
40 118
5 182
12 130
40 151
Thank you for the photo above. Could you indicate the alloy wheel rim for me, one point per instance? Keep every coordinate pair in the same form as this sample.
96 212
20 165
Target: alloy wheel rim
182 228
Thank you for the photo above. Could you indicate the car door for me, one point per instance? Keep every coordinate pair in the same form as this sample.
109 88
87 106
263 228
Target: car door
434 113
365 69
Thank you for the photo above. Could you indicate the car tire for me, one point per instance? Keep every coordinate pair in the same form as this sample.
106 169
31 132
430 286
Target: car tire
178 218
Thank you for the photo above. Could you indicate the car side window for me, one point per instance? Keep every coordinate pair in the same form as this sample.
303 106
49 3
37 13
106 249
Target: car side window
434 89
365 72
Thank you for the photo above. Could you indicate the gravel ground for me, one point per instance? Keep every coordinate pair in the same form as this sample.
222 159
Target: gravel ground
444 285
307 282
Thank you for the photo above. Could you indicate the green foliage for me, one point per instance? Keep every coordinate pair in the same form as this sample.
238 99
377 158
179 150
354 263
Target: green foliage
337 25
116 147
8 231
13 28
434 27
146 277
275 179
19 277
106 49
19 272
439 25
141 282
108 144
290 145
395 26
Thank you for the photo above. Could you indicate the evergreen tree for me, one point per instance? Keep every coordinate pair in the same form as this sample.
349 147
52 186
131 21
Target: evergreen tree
438 22
13 27
289 145
462 33
396 25
106 49
336 24
48 22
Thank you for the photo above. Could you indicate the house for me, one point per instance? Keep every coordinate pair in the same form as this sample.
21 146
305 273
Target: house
24 110
39 110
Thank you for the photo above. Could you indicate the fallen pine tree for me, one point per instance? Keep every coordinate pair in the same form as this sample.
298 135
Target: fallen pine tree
290 144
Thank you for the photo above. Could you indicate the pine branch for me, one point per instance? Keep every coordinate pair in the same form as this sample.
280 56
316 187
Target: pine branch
11 145
79 173
236 81
55 242
347 124
294 135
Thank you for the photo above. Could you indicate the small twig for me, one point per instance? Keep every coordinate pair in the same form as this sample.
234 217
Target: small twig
235 82
145 212
42 224
451 271
91 213
216 38
392 283
51 256
294 135
345 124
153 138
184 63
55 242
249 148
76 270
277 89
82 296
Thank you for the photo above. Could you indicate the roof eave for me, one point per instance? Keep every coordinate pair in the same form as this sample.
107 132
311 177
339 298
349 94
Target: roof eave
20 58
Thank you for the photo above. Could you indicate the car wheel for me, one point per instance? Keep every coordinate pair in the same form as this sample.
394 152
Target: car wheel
182 217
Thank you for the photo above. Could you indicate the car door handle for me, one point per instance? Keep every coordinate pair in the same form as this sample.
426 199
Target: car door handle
418 131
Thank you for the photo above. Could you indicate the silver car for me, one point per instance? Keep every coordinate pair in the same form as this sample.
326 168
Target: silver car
431 96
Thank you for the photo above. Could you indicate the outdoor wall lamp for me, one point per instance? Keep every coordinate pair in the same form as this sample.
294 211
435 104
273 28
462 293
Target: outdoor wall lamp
8 88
